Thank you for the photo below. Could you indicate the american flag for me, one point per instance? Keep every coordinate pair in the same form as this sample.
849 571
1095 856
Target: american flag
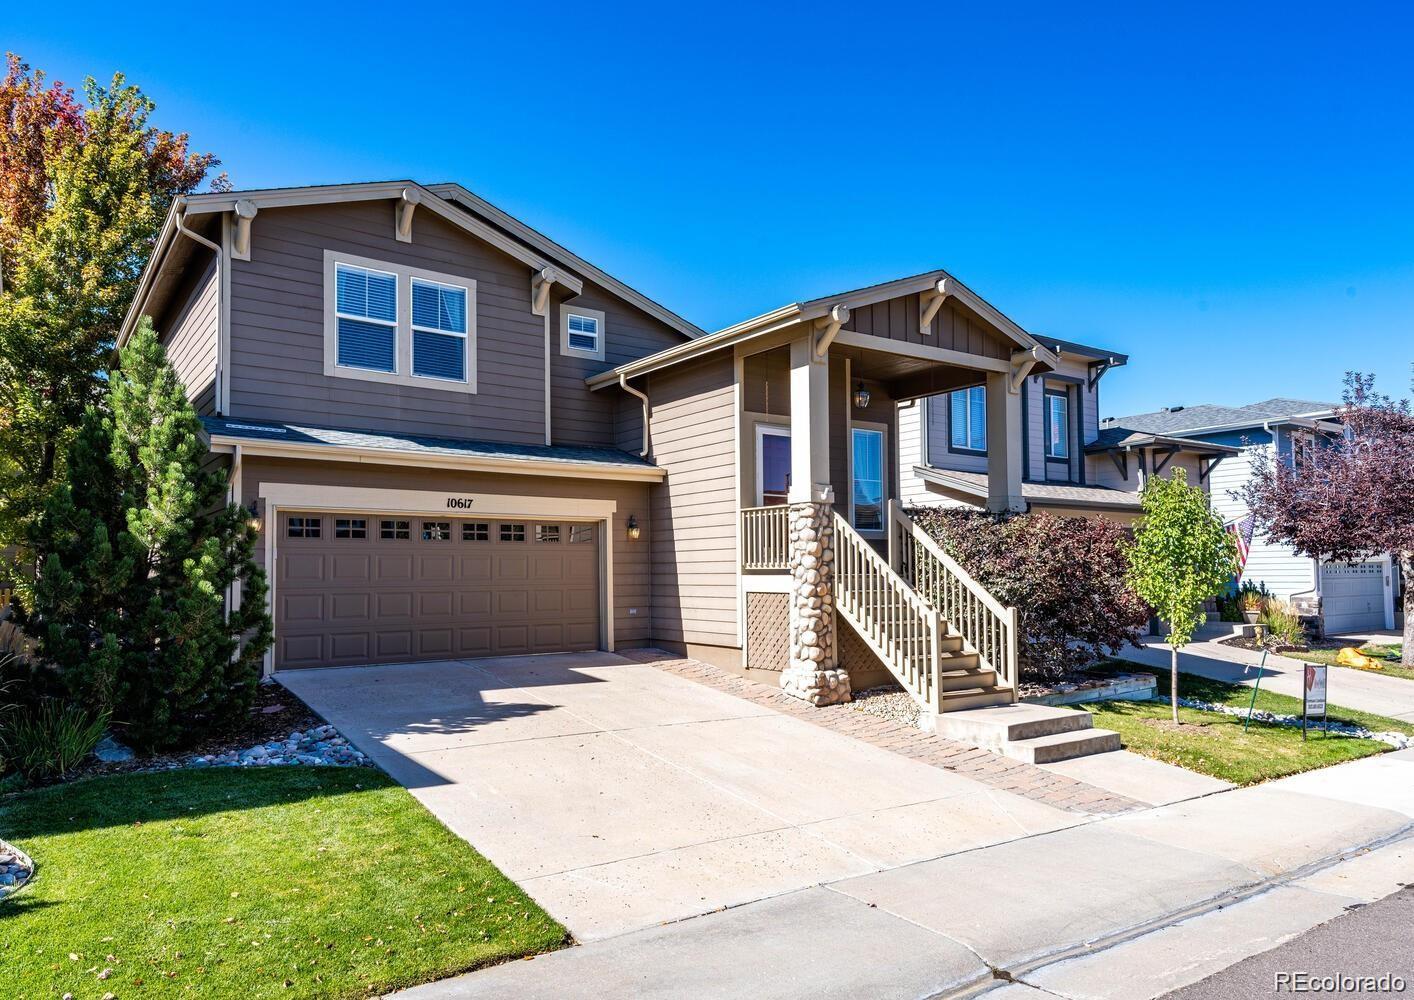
1242 531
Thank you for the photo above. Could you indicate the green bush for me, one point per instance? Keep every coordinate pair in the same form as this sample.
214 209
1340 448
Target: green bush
49 740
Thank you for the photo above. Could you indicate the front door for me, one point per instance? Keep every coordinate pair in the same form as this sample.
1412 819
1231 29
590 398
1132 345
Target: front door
772 465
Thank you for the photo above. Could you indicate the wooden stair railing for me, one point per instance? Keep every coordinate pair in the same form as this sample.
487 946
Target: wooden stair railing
901 628
988 627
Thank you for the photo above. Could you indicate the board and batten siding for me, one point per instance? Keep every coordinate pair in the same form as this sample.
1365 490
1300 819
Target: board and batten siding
632 610
1276 565
694 511
952 328
277 329
190 333
581 417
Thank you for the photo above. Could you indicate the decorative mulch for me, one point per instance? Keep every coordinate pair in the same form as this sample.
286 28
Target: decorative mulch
1242 642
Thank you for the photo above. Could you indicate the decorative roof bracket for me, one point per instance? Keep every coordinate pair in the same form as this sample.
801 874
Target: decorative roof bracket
245 214
930 301
407 204
1021 364
827 328
540 284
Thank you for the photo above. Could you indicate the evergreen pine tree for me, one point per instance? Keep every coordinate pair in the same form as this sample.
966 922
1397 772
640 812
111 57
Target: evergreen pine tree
142 550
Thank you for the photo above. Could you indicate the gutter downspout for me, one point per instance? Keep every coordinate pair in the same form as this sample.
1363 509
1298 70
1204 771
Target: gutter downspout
623 384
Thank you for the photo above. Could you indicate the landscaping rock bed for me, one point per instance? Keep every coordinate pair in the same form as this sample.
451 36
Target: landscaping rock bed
1080 688
16 869
321 746
888 702
1400 741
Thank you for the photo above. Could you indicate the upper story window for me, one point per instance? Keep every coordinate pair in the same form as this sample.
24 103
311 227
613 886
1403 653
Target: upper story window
366 318
581 332
967 419
438 330
388 322
1057 424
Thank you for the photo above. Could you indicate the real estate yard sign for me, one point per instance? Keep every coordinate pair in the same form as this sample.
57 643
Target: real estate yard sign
1313 701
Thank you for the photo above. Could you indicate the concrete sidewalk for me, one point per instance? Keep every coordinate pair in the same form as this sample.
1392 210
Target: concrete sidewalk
1128 906
1392 697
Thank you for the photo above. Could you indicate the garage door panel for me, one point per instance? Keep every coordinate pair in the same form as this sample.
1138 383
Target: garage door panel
394 568
302 567
349 607
350 647
435 604
401 593
1352 596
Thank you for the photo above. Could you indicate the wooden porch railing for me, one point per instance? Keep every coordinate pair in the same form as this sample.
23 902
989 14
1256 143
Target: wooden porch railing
893 621
988 627
765 538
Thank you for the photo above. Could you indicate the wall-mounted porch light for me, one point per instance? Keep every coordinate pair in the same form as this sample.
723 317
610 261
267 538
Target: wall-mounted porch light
253 515
861 396
633 529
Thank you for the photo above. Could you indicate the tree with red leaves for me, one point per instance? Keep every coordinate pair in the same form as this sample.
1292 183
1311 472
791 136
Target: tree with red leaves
1353 498
84 189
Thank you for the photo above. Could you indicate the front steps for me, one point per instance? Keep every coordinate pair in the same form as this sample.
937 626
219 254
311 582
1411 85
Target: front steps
1035 734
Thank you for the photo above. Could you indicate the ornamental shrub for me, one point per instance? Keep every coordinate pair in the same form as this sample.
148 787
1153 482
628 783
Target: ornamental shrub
1064 575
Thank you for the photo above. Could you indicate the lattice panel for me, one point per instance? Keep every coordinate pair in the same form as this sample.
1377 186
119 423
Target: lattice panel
767 631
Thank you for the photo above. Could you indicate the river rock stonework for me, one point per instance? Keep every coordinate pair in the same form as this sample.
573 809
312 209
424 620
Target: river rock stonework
813 674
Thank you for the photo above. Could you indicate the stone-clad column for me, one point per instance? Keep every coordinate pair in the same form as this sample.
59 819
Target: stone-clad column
813 674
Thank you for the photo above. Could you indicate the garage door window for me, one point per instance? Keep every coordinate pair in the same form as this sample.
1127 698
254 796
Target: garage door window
436 531
350 527
395 530
512 532
581 534
473 532
548 533
304 527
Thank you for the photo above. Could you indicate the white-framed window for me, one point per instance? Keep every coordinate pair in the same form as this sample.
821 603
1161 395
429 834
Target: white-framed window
967 419
772 464
581 332
438 330
1057 424
866 477
386 322
366 317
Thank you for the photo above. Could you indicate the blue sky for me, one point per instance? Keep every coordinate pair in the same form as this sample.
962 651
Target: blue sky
1224 193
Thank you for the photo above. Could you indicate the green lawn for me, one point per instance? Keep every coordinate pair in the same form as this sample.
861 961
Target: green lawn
1214 744
278 882
1387 655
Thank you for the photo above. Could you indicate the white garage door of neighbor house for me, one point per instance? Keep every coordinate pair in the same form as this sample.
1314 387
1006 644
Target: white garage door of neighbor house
1353 596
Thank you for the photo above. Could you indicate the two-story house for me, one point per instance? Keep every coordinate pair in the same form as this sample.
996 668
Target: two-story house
459 439
1348 596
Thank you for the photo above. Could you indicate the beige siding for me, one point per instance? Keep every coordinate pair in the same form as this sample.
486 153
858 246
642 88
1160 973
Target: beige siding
189 332
912 418
277 329
694 539
581 417
633 596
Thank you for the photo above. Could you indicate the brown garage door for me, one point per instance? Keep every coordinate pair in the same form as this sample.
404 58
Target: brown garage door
389 588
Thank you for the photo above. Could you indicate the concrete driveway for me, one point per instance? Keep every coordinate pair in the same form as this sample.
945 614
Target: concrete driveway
621 796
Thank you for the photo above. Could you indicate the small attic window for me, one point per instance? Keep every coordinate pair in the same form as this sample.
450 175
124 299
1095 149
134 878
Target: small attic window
581 333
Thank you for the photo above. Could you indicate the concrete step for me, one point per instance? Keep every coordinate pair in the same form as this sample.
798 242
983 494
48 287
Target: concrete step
965 677
995 726
1062 746
963 700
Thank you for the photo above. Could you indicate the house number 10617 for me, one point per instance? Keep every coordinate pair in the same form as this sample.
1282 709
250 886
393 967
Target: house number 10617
459 503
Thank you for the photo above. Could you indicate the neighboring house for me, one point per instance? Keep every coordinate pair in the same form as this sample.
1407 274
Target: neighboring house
1350 597
1070 465
459 439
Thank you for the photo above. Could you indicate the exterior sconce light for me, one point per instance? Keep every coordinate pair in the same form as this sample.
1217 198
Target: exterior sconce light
253 516
861 396
633 530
